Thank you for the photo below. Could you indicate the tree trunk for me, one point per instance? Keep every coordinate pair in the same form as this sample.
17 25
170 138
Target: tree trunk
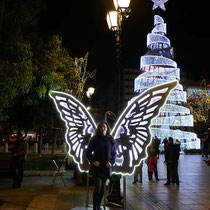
40 142
54 141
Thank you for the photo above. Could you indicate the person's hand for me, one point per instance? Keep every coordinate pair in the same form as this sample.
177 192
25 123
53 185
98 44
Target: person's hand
108 165
15 154
96 163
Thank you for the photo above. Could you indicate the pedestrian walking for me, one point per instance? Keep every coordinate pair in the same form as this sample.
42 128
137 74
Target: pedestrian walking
152 163
19 154
101 154
171 159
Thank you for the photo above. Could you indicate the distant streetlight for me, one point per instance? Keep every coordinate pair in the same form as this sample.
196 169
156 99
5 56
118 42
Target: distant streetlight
89 94
114 21
122 5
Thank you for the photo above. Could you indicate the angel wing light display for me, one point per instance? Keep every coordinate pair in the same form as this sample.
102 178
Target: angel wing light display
131 131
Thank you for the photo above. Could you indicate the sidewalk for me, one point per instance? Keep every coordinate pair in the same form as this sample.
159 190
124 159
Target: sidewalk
37 193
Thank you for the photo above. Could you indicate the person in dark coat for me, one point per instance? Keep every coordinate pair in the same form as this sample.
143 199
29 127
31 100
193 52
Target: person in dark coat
157 145
165 142
101 153
178 147
171 159
19 154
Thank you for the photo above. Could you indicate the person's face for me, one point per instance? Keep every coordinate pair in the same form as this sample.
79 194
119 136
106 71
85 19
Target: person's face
103 129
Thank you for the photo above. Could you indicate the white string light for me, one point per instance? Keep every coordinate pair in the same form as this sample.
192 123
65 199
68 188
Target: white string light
158 67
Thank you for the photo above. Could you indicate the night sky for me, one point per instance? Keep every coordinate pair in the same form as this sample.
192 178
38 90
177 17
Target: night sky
82 25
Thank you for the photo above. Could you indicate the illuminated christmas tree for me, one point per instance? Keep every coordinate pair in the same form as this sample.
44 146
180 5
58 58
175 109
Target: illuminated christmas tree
158 67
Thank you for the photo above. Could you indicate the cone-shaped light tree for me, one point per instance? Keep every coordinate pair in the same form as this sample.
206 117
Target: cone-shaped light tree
157 66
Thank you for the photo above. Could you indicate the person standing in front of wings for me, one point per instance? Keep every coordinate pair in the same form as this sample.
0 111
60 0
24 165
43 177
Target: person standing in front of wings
101 153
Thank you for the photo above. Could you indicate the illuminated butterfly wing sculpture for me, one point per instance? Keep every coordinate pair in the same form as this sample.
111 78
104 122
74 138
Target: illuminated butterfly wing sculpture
131 132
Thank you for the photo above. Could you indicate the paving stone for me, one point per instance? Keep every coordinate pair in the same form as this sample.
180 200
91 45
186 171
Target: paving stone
37 193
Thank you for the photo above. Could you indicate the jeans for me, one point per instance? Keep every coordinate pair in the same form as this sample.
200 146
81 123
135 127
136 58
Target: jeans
138 171
172 171
16 169
98 192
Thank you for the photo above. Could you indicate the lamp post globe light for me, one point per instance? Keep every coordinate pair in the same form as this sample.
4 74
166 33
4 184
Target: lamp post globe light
89 94
114 21
111 19
91 90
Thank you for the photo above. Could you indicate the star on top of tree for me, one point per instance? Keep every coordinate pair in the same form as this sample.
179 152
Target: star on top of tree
159 3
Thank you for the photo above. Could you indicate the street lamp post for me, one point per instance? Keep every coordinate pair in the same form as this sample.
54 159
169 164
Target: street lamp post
89 94
114 21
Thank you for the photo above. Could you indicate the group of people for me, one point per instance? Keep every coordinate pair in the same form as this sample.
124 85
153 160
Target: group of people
151 161
171 150
101 153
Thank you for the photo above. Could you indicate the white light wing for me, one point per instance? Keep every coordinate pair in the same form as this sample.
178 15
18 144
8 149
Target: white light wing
79 123
132 130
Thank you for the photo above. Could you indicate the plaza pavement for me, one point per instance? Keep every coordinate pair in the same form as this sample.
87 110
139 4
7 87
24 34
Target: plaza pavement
192 193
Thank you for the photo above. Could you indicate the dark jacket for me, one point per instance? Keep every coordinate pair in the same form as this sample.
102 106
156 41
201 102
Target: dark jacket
101 149
20 148
171 153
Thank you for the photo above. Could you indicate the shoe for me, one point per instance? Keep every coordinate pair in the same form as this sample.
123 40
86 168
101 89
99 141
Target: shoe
157 179
151 181
167 183
134 182
140 182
